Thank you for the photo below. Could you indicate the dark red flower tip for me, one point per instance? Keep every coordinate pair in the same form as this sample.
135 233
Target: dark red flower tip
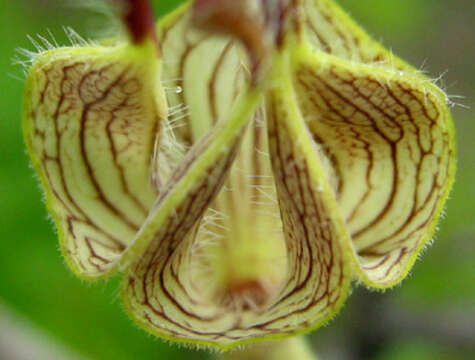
139 19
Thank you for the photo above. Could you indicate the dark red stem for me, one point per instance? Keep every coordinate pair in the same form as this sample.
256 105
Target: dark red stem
139 20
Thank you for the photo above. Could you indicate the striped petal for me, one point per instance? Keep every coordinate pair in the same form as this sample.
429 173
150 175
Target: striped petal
91 118
244 271
245 212
196 62
164 290
317 242
387 138
386 134
199 278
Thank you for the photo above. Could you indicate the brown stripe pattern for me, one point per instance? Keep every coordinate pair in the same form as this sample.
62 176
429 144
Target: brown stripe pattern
318 270
157 290
93 120
328 33
228 235
217 80
386 135
390 146
330 30
382 142
172 291
168 294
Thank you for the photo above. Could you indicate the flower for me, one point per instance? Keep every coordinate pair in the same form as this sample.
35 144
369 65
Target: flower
241 189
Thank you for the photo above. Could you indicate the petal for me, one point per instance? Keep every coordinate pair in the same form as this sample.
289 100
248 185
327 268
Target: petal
158 293
318 244
193 64
91 116
387 139
163 291
211 282
329 29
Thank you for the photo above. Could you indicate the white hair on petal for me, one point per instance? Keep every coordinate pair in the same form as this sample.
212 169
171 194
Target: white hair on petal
43 43
110 26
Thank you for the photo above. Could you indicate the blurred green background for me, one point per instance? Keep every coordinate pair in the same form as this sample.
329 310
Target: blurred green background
431 316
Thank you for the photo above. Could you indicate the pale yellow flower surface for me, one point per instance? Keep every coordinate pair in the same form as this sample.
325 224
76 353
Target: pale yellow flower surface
241 173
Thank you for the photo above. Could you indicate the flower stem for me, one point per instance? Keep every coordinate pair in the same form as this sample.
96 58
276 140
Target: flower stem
294 348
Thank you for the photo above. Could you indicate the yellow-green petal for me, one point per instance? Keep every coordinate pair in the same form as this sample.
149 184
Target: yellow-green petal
245 211
91 118
209 272
318 245
388 139
158 290
203 74
387 133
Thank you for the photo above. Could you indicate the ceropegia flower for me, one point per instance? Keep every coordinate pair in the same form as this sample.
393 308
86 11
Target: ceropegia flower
241 205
